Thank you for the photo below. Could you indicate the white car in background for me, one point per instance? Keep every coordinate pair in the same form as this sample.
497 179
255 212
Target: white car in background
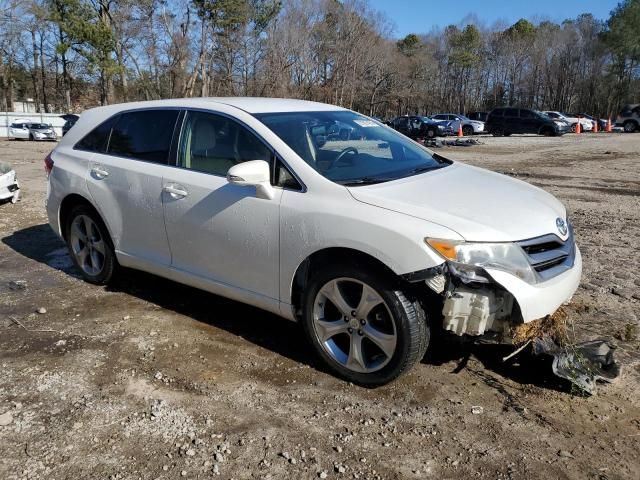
369 239
585 124
469 127
28 130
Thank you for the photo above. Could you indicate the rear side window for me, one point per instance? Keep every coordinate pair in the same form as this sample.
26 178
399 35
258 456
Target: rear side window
498 112
96 140
144 135
511 112
526 114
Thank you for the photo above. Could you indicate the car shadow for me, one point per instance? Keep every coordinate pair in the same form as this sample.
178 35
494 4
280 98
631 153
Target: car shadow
524 368
270 331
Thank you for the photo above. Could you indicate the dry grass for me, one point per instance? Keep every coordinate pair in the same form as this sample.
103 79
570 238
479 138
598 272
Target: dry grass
554 325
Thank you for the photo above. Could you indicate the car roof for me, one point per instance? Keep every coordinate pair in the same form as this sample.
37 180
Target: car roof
248 104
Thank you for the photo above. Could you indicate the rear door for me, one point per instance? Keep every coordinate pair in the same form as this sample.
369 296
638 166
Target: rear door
529 121
511 121
219 231
126 182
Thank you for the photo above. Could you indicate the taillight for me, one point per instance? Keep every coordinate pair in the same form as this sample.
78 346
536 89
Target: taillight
48 164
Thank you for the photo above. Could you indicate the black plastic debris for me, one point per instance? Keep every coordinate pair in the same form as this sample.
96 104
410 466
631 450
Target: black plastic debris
458 142
583 364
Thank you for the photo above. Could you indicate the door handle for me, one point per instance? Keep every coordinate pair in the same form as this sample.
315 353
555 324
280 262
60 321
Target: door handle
99 172
176 191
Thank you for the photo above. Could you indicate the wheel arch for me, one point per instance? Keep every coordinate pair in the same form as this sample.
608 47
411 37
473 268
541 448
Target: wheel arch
328 256
68 204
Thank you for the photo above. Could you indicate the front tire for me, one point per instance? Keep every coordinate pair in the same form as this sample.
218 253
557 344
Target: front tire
362 325
467 131
90 246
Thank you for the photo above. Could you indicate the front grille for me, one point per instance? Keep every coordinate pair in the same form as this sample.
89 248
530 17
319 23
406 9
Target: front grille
549 255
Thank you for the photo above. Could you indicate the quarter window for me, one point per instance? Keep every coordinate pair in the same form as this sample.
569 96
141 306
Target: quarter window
96 140
144 135
213 144
284 178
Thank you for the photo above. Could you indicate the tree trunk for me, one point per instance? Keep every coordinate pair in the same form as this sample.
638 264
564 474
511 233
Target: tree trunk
34 71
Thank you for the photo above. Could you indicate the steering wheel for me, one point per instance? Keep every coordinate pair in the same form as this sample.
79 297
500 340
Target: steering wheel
341 155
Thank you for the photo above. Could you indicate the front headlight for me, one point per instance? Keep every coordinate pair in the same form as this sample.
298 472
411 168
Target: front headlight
467 257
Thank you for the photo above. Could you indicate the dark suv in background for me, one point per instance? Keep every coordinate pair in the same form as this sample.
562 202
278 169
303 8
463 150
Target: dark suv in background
629 118
507 120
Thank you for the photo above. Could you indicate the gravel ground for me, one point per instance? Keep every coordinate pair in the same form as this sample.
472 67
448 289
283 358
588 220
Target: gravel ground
150 379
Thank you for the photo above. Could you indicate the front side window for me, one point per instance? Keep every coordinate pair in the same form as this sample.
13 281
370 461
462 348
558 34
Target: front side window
144 135
526 114
348 148
511 112
213 144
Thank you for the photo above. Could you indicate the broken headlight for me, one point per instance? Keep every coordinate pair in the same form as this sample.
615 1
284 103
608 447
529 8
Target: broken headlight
468 258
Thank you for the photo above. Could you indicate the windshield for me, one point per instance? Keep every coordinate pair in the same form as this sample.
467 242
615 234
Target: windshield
39 126
350 149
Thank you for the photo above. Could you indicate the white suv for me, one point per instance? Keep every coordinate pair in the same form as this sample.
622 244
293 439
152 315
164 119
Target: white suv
315 213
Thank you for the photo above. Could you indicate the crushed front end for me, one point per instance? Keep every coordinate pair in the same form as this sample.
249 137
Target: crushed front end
9 186
489 289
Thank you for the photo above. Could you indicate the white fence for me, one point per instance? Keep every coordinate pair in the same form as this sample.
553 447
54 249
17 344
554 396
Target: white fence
53 119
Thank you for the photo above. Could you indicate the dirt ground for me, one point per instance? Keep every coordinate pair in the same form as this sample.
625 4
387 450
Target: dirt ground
150 379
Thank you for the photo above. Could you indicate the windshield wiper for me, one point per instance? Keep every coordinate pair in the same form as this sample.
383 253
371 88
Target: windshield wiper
364 181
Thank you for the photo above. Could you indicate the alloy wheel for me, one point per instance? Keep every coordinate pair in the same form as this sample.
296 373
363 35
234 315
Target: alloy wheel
354 325
87 245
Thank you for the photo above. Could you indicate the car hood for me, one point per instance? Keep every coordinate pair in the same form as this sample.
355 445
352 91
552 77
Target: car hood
477 204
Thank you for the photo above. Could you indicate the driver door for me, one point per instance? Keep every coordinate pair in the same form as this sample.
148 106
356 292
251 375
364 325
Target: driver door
219 231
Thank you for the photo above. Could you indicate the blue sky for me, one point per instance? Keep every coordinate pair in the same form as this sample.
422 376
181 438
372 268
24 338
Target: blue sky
420 16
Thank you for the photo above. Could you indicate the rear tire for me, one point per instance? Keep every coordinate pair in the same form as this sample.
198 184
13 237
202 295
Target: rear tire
497 132
90 245
362 325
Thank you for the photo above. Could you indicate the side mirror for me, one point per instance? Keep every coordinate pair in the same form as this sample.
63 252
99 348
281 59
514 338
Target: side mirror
254 173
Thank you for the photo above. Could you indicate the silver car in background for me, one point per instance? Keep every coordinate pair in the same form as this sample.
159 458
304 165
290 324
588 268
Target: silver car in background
469 127
32 131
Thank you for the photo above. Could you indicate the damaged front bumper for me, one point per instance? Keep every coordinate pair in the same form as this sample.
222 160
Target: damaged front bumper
497 301
9 186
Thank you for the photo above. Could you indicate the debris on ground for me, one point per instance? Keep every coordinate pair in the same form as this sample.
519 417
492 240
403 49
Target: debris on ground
553 326
458 142
583 364
16 285
477 409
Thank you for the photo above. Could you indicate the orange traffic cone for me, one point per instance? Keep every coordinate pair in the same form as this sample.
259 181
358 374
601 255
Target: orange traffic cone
578 127
595 126
609 129
460 133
